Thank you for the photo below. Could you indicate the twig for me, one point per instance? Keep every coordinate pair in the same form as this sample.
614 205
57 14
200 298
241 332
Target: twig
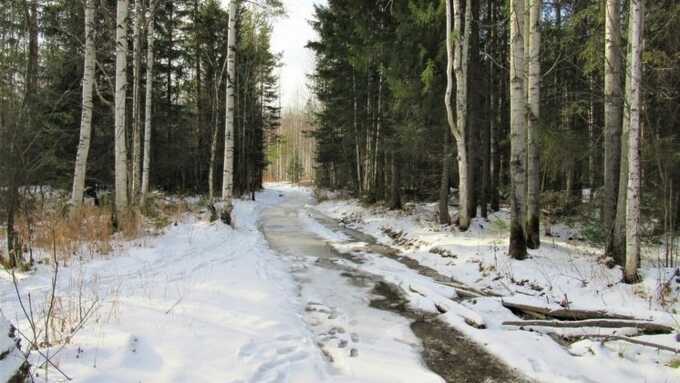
35 347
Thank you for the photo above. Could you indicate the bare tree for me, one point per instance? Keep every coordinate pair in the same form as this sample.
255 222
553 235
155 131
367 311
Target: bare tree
148 102
457 42
613 117
228 172
121 181
87 105
534 102
518 133
137 100
635 30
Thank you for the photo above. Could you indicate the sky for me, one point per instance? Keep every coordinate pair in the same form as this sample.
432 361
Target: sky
291 34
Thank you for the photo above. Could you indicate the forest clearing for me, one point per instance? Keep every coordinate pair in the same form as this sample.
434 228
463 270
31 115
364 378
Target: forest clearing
339 191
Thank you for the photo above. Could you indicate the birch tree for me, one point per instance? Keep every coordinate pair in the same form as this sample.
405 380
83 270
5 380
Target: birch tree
613 117
635 30
87 105
457 42
228 173
518 134
148 102
533 99
121 181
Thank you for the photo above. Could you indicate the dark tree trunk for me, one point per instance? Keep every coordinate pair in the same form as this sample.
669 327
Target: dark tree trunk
395 188
444 217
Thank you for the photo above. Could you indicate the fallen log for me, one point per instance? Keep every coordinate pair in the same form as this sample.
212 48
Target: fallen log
542 312
607 338
643 326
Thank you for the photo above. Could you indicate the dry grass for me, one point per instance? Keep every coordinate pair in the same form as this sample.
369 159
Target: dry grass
85 230
90 231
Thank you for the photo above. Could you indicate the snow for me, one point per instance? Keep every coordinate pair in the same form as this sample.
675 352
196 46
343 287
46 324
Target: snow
562 271
203 302
10 357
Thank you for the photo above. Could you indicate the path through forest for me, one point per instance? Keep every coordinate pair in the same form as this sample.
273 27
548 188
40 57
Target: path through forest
358 319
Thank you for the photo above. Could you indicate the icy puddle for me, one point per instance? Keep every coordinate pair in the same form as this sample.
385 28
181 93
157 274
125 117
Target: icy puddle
359 321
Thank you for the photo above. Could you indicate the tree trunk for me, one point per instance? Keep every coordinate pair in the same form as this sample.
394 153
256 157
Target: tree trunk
121 168
148 102
137 101
613 109
592 140
228 172
630 274
457 62
86 117
533 125
475 121
395 189
444 217
357 149
518 150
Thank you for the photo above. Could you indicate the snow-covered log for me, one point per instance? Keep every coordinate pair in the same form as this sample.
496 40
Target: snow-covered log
542 312
644 327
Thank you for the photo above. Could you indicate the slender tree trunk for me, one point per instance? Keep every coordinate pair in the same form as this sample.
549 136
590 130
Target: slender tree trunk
87 105
444 217
228 172
137 101
213 141
121 168
457 62
356 132
496 111
518 150
636 28
613 105
148 110
476 124
533 125
368 146
592 140
378 138
395 189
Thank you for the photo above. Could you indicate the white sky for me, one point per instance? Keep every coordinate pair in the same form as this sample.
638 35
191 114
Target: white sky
291 34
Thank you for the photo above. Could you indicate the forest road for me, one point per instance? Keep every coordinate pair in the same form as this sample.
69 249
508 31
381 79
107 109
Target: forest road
361 323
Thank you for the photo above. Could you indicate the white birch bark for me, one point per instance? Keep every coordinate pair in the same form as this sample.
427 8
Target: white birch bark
86 116
457 63
613 116
633 193
136 100
518 144
121 181
228 173
148 103
533 99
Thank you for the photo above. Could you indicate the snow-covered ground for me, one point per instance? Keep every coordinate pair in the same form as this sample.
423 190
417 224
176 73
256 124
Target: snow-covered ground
562 272
203 302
